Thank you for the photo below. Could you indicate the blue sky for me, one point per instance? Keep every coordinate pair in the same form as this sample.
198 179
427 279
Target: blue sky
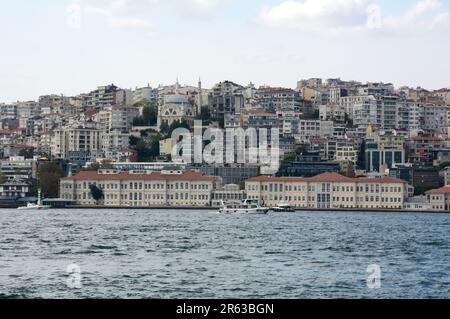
72 46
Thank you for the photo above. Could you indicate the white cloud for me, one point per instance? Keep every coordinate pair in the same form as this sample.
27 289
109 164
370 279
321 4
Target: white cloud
323 15
421 15
118 13
137 13
340 16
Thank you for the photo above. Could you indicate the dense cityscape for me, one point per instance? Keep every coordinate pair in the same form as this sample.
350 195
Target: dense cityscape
343 145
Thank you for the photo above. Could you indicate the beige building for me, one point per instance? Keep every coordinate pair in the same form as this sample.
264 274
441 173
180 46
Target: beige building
141 188
166 146
346 153
230 193
439 199
75 139
329 191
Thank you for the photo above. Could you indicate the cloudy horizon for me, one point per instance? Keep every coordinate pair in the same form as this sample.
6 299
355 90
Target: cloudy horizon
72 46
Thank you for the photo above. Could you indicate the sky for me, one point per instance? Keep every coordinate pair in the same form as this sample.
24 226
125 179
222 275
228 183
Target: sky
72 46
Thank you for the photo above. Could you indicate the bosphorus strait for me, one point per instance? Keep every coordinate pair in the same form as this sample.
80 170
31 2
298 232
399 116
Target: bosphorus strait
202 254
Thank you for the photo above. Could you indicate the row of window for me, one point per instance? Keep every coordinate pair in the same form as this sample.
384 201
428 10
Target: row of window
138 186
373 188
140 196
375 199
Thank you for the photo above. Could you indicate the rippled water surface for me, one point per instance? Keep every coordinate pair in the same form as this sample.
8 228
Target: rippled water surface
200 254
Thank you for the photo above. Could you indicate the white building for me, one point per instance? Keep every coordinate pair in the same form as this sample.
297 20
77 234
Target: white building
117 118
141 188
436 116
329 191
365 112
145 93
73 140
175 107
314 128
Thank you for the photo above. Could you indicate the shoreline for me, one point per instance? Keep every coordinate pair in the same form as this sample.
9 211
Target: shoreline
312 210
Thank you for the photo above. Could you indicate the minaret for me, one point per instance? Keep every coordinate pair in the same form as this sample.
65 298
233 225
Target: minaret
177 87
200 96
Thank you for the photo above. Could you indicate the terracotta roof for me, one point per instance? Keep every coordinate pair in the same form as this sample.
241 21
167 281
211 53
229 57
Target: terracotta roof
155 176
326 178
427 138
442 190
261 112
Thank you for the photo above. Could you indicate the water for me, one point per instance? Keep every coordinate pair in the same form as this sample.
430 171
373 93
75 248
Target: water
190 254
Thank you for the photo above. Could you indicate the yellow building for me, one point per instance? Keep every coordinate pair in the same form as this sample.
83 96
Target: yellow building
166 146
346 154
329 191
439 199
141 189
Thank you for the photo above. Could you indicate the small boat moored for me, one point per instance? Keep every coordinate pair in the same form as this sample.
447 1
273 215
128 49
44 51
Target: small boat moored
284 208
38 206
247 207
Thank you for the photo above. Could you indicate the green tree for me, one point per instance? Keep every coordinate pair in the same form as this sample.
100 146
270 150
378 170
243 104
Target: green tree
27 153
134 140
149 114
2 178
164 129
49 175
205 115
97 193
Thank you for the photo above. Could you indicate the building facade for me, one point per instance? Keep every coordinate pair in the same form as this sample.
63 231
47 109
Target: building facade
329 191
141 188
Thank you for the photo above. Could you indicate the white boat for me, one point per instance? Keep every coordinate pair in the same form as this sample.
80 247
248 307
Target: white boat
38 206
247 207
284 208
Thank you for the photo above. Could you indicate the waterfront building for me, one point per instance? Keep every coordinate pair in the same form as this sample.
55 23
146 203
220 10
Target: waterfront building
329 191
14 189
439 199
18 168
231 174
141 188
229 193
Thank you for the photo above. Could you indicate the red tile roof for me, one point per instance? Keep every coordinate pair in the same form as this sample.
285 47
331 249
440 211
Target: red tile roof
124 176
442 190
326 178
